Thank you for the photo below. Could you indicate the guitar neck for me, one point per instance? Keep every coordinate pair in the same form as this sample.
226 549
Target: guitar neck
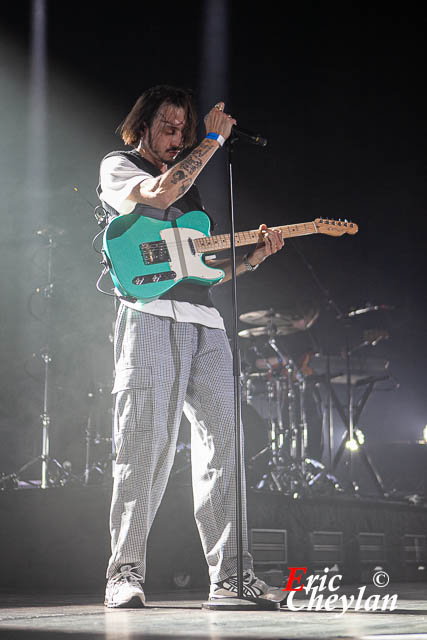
243 238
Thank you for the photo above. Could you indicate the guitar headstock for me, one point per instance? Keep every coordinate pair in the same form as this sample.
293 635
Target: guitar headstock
335 227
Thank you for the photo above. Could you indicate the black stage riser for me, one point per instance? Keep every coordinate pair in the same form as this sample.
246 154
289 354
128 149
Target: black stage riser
57 539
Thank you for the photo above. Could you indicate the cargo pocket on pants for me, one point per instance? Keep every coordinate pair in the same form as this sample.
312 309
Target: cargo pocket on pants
133 412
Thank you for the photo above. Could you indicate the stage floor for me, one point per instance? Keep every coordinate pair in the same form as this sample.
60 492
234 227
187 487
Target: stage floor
179 616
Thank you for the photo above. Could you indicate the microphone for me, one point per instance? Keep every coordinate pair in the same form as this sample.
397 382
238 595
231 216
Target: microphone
250 136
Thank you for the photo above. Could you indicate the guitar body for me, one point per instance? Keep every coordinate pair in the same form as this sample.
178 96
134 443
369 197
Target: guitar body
147 257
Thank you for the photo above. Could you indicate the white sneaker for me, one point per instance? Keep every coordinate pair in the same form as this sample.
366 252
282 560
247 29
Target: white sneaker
124 589
253 588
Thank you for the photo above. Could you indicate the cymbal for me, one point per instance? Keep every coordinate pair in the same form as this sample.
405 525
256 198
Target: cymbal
264 317
298 320
255 332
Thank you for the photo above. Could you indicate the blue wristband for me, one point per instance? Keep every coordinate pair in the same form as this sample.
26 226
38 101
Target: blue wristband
216 136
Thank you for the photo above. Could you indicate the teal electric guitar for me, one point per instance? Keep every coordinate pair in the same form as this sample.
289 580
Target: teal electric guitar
147 257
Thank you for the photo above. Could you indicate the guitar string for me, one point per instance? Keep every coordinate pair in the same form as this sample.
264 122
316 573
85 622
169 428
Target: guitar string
219 245
211 239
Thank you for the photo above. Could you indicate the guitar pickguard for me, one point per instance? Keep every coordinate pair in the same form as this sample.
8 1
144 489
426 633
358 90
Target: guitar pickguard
183 260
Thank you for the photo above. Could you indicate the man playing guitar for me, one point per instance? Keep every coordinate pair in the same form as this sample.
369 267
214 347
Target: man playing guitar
172 355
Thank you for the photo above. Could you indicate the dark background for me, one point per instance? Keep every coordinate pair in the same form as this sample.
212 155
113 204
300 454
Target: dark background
339 92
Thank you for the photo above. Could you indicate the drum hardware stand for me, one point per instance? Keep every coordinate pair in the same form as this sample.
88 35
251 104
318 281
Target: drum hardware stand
273 479
349 415
92 439
270 480
329 410
303 428
240 602
286 443
45 458
279 461
317 473
351 418
297 429
301 477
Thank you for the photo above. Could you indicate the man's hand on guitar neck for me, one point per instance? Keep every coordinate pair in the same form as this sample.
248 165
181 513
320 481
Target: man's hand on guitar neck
270 242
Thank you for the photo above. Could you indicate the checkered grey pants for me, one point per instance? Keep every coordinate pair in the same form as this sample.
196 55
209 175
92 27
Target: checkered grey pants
162 368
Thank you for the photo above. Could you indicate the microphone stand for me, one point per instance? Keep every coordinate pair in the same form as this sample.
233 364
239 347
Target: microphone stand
48 478
240 602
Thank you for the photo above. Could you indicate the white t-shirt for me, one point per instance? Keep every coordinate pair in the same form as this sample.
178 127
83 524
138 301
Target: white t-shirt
118 177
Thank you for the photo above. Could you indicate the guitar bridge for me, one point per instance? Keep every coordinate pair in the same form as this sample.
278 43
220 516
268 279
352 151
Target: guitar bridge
154 252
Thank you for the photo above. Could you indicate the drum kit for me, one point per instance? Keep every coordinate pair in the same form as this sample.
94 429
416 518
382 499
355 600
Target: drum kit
281 389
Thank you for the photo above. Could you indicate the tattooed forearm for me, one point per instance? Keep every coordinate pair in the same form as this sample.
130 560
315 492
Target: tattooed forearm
192 163
185 187
177 180
177 176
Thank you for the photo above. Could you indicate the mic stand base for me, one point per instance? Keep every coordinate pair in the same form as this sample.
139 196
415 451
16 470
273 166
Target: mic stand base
241 604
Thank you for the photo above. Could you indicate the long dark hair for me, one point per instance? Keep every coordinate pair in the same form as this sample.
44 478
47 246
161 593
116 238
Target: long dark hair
146 107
